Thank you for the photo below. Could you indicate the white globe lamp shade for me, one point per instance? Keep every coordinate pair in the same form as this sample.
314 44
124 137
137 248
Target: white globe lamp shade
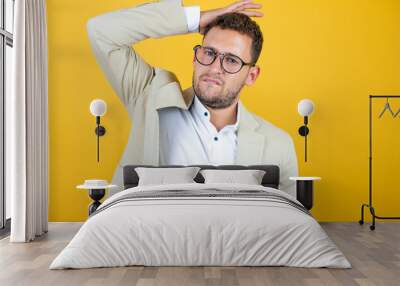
98 107
305 107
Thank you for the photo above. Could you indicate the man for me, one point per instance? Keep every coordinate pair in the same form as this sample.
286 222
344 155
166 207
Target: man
206 123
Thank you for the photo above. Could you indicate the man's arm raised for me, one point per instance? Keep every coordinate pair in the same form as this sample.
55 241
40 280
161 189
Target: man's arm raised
112 35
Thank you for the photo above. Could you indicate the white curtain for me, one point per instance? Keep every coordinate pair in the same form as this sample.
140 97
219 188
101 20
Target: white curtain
27 124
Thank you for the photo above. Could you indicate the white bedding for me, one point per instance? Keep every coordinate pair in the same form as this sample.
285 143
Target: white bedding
181 231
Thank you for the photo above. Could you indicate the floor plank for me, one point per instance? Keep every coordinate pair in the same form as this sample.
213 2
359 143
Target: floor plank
374 255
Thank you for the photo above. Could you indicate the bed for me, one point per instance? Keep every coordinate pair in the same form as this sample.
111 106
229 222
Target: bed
201 223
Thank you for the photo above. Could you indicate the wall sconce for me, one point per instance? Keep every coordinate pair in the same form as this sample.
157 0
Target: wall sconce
98 108
305 108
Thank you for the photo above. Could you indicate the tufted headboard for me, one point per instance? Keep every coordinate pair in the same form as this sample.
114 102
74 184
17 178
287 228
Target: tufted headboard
270 179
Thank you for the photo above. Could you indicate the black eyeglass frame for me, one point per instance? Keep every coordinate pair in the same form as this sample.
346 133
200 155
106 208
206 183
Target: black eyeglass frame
221 57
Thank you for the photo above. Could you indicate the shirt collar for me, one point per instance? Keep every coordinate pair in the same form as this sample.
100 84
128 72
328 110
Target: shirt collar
201 111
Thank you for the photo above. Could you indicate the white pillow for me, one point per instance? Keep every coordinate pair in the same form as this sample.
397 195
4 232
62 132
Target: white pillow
249 177
162 176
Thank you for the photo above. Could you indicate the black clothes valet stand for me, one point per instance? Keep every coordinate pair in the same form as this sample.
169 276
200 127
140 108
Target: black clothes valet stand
369 205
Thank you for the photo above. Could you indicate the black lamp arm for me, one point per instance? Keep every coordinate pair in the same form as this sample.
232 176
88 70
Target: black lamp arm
100 131
303 131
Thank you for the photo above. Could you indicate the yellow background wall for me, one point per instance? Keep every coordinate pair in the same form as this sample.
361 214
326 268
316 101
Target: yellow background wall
333 52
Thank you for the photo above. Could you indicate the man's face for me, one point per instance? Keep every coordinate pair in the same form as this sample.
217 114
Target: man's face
215 87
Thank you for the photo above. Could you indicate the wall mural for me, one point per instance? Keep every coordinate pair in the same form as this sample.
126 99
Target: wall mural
205 123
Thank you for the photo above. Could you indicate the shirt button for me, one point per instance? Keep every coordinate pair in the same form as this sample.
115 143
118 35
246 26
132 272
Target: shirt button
205 113
215 138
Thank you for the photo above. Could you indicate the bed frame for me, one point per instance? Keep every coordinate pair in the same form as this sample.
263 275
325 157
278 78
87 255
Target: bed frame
270 179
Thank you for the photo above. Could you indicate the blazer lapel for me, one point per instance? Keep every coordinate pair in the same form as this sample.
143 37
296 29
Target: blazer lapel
168 95
250 145
171 94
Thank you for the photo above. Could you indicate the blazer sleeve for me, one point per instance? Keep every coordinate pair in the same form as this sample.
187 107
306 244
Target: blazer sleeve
112 35
289 168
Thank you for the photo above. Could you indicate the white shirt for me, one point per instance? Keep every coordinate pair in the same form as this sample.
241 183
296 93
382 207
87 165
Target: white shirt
192 14
187 137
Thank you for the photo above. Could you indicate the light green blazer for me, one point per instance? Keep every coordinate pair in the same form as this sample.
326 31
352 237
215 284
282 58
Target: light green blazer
144 89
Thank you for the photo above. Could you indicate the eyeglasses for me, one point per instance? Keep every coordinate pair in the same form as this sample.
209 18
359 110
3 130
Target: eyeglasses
230 63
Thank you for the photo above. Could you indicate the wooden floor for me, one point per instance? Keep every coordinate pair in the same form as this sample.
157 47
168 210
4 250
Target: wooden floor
375 257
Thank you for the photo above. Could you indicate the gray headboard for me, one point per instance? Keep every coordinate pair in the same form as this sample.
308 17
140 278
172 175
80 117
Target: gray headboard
270 179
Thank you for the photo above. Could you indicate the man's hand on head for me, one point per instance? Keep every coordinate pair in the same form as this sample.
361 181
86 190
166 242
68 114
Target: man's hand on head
239 7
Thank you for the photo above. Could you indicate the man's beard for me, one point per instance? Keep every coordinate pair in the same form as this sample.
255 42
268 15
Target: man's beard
217 101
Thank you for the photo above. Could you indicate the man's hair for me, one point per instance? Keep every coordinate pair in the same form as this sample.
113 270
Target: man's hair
243 24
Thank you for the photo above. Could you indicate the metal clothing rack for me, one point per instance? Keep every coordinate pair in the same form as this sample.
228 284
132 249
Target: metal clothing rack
369 205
